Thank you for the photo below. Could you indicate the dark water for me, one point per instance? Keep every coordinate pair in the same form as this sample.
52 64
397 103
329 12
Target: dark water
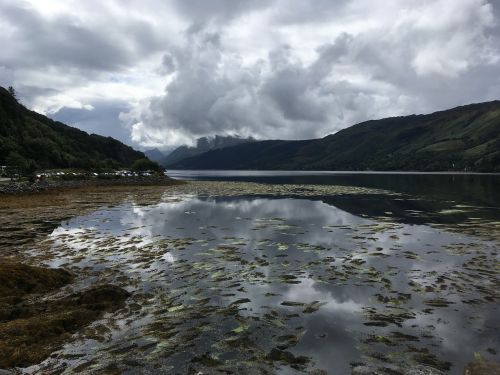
472 188
287 284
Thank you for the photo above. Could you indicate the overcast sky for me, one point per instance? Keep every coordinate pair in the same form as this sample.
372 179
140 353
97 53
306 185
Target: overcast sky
157 73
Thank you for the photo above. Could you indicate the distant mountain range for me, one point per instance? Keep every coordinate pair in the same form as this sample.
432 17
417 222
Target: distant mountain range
465 138
154 155
30 140
203 145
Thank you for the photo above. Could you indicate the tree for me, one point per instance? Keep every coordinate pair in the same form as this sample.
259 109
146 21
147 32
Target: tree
142 165
12 92
16 165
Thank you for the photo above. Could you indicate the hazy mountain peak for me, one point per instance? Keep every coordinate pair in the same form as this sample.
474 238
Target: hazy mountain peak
204 144
154 154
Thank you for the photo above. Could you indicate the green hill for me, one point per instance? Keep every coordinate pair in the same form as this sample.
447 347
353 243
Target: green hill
31 140
465 138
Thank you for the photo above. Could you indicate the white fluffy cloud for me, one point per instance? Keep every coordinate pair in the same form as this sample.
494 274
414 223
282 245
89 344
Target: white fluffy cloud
261 68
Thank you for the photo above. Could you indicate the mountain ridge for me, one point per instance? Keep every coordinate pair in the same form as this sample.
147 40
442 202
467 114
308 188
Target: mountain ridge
154 154
464 138
203 144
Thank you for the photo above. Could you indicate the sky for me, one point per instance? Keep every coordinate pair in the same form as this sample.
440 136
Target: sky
159 73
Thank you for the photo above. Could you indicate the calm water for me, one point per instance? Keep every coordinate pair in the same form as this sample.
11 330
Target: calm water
478 188
287 283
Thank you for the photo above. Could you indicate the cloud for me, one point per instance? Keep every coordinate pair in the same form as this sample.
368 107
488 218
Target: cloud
406 60
220 11
70 56
254 68
101 117
71 41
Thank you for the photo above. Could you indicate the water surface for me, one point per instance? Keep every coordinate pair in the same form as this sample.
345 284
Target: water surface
289 278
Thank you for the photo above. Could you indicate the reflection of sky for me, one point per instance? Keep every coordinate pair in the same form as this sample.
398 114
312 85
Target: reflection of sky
120 237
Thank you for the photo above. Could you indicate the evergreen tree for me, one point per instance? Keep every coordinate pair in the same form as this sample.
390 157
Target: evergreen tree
12 92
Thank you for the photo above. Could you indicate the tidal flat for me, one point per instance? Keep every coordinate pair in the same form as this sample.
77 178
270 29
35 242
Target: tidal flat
219 277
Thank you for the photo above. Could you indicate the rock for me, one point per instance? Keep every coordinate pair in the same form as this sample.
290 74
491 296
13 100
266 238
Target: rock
363 370
422 370
103 296
407 370
287 357
482 368
318 372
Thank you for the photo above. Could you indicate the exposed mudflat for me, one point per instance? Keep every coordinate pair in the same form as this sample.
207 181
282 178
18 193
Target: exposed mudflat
57 184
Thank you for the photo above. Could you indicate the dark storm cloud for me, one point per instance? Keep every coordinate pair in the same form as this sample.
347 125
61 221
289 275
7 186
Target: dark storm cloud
35 41
28 93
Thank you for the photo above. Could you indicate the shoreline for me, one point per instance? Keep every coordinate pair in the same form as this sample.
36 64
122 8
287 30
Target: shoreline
23 188
62 301
41 306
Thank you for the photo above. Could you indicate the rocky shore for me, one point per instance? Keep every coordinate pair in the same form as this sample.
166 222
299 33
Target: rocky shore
14 188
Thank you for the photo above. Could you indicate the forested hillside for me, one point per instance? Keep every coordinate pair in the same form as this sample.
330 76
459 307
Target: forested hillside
30 140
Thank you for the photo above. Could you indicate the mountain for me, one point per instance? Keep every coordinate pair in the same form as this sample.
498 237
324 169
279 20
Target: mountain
203 145
465 138
154 154
31 140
